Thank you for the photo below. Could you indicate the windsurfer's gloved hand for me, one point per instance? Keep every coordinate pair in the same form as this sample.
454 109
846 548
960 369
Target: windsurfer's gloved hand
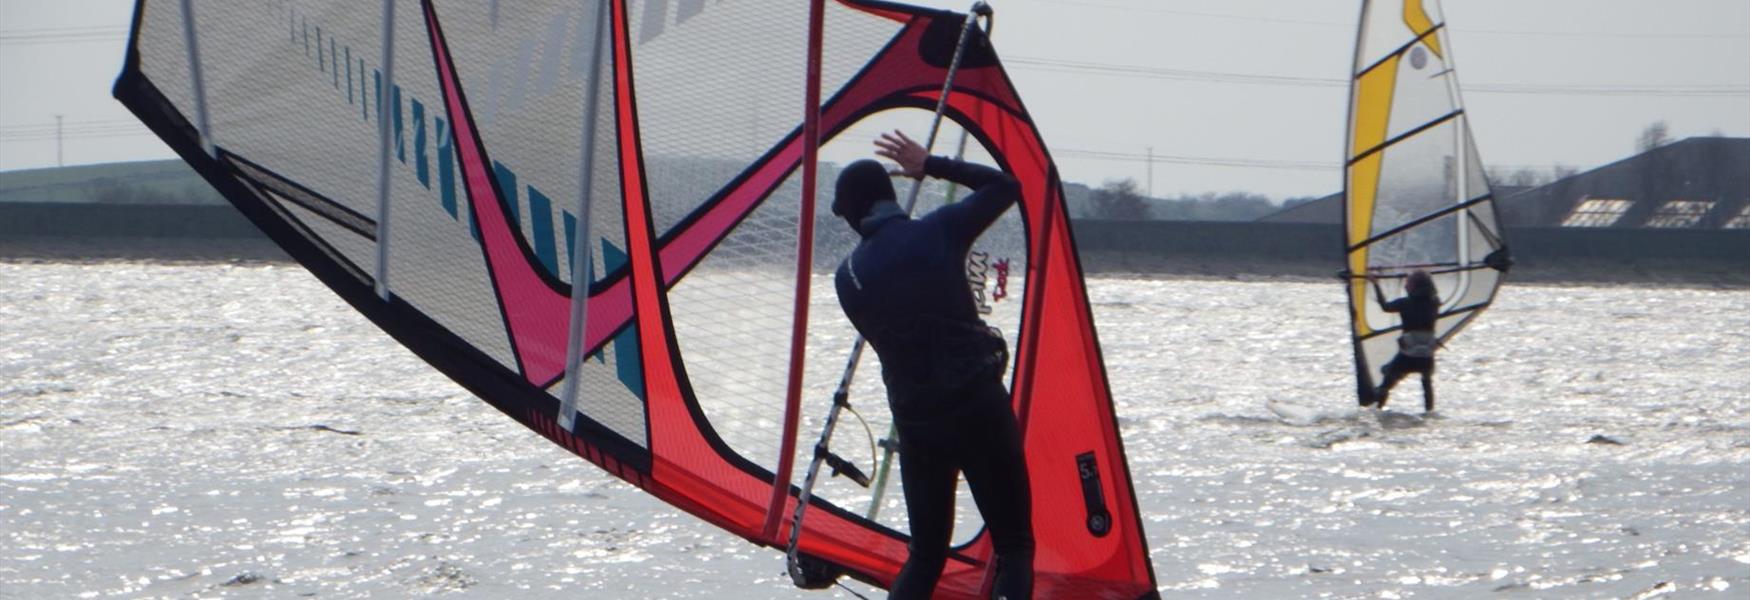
909 154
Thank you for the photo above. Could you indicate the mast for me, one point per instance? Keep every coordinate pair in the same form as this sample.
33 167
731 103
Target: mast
804 269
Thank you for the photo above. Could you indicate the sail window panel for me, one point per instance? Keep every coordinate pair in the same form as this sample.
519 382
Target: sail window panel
607 211
1476 181
1451 285
707 108
605 391
1681 214
1383 31
850 37
1422 94
437 267
164 56
732 319
1378 350
1478 286
1376 317
524 69
435 263
280 108
610 380
1485 230
1741 221
722 87
1430 245
1418 178
1482 234
1597 212
352 249
1450 325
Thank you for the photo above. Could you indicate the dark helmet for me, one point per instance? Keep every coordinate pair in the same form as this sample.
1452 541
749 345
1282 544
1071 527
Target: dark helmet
861 184
1419 283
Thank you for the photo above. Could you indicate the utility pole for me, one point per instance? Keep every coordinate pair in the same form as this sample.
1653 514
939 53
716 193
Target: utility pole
58 161
1151 171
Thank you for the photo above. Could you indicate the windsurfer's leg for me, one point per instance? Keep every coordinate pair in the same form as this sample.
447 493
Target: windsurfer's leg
1392 374
928 479
996 470
1428 391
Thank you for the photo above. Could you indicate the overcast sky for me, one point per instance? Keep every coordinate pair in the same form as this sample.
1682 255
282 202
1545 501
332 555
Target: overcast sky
1546 82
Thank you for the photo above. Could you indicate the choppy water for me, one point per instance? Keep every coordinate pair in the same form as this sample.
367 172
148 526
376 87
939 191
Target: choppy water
214 431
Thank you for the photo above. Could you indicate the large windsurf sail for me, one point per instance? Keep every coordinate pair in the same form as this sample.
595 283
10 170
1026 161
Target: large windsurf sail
1416 197
592 215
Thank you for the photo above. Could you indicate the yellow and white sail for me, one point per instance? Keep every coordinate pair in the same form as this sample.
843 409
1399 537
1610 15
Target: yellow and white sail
1415 193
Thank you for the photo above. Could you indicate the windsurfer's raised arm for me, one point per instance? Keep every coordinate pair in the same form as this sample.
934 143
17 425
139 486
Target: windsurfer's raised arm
993 191
1386 305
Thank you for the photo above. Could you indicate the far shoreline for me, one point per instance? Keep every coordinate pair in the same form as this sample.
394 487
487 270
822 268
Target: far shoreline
1102 265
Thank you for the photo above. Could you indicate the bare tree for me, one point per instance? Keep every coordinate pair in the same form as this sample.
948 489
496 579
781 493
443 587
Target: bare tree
1527 177
1119 199
1655 135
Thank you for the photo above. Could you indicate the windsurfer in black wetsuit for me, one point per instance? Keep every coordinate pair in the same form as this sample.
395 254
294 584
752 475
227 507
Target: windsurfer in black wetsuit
1418 309
905 289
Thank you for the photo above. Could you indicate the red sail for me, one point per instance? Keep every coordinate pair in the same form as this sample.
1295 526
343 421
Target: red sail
691 186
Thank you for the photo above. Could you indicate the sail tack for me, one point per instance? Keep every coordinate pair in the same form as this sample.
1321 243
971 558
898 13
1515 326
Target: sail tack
1415 191
678 126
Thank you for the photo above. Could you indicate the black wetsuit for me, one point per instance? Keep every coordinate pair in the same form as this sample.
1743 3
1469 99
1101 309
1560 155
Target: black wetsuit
905 290
1419 313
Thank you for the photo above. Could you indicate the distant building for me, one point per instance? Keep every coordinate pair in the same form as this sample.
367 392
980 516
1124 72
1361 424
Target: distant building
1327 210
1697 183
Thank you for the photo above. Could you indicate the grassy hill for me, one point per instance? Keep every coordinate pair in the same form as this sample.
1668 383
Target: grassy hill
146 182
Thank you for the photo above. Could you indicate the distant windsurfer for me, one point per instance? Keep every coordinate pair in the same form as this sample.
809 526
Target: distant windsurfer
904 288
1419 309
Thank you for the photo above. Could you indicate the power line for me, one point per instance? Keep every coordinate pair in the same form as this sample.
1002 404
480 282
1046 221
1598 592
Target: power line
1351 25
1116 70
28 37
1146 157
37 127
81 136
1206 161
60 130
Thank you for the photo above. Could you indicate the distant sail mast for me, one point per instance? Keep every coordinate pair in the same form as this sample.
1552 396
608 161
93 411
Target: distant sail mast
1416 197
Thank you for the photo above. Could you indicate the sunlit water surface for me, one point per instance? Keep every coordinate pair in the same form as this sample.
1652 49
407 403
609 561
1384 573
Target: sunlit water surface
220 430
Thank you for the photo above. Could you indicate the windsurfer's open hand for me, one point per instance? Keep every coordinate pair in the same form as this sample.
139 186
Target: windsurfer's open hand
903 150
